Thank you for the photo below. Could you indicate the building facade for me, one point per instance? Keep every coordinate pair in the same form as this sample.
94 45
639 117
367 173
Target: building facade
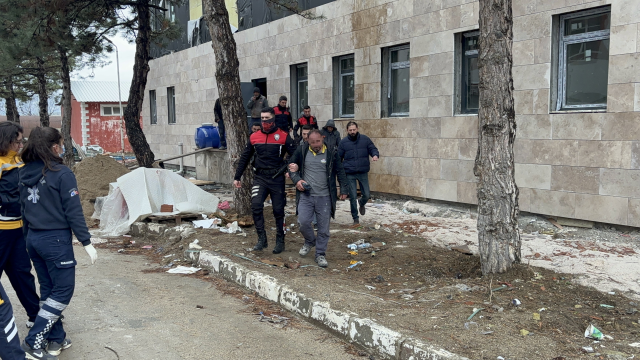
406 71
96 115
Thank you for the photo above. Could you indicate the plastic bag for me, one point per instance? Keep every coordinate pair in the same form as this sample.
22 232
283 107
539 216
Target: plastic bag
114 215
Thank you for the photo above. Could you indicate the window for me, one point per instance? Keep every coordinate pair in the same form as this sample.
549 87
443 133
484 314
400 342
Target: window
396 66
154 108
583 59
299 88
346 86
111 110
469 91
171 104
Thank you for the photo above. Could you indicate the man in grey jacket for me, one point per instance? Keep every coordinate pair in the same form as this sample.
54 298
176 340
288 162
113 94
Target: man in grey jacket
255 105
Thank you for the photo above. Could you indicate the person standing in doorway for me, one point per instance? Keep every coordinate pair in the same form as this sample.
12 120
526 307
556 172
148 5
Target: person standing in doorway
269 146
305 119
51 212
255 106
331 134
14 260
217 111
355 150
284 121
314 169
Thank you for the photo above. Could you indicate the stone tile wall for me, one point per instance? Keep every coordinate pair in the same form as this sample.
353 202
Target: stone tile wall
582 165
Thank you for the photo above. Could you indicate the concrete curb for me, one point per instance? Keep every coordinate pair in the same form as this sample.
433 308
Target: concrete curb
365 332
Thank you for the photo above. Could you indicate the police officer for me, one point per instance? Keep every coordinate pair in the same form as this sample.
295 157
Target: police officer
305 120
284 121
269 146
51 211
14 260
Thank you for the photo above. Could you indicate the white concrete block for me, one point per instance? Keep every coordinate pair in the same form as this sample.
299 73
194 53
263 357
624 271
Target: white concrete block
335 320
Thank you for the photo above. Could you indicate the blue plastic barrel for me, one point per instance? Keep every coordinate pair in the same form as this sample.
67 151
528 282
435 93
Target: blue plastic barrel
207 136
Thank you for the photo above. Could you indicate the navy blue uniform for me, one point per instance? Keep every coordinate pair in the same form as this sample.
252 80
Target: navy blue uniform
10 343
284 121
14 260
51 211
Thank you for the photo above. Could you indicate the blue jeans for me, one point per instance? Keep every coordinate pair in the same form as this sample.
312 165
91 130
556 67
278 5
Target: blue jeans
308 207
52 255
9 341
353 180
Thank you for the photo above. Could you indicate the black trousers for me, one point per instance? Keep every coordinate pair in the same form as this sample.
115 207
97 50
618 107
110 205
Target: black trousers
262 187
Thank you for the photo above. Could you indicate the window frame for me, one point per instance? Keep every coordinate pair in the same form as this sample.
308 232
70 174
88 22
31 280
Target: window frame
299 80
112 107
464 56
397 66
352 72
566 40
153 108
171 105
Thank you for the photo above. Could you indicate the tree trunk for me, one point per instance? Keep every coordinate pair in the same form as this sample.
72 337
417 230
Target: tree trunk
228 80
138 141
66 106
43 97
498 235
10 102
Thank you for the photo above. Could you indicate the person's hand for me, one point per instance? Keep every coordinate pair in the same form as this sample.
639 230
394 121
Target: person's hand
237 184
293 167
93 254
375 158
299 185
287 175
343 196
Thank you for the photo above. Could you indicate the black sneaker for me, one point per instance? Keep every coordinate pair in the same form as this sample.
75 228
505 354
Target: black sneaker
356 221
222 148
36 354
55 349
363 210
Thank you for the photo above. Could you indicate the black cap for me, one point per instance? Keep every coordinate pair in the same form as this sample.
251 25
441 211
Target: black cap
256 90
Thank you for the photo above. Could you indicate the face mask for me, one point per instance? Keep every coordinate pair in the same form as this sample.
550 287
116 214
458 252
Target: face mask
268 125
62 154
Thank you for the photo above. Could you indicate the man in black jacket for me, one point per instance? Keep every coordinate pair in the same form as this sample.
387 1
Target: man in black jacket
269 146
217 111
314 169
354 150
331 134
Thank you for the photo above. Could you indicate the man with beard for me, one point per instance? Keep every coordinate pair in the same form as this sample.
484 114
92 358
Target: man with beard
269 146
284 121
255 105
314 169
354 150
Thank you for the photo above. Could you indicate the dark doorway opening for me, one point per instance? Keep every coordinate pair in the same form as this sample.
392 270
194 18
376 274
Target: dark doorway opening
262 84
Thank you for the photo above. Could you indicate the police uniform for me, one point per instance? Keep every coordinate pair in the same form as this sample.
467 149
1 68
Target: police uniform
14 260
284 121
302 121
51 211
269 149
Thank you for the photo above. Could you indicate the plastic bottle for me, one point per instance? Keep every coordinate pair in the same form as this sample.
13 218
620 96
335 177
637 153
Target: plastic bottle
358 246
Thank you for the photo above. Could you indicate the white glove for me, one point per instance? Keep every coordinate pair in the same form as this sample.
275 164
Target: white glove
93 254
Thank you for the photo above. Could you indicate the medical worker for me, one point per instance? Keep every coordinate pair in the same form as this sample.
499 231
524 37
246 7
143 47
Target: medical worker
51 211
14 260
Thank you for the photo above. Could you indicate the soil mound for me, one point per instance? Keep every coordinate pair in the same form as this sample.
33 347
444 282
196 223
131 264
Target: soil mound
94 175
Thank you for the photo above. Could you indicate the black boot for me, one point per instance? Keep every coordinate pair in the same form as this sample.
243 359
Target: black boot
262 242
279 244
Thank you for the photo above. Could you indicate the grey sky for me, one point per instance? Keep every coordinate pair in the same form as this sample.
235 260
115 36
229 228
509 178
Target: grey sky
109 73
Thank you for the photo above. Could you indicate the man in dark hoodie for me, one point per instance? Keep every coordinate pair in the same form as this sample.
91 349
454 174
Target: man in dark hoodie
269 146
331 134
217 111
51 211
255 106
354 150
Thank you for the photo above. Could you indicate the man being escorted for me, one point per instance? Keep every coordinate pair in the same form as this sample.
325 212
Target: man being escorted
284 121
305 119
255 105
331 134
354 150
269 146
314 169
